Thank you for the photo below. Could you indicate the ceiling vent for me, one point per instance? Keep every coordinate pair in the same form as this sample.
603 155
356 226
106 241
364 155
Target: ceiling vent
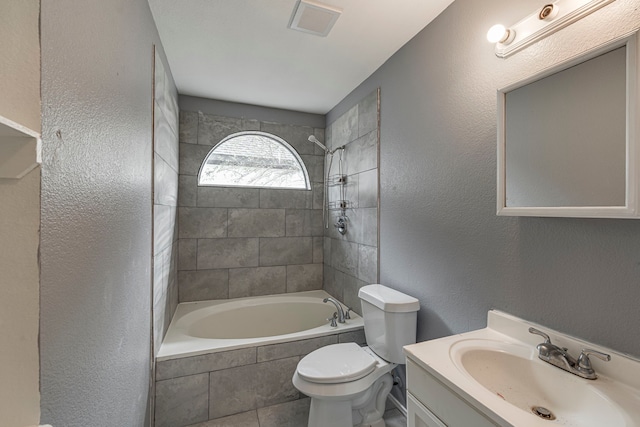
314 18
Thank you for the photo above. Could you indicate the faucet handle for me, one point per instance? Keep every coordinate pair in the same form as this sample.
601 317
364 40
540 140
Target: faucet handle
346 313
547 340
585 363
333 319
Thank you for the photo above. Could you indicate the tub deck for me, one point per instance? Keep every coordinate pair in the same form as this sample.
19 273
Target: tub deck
180 340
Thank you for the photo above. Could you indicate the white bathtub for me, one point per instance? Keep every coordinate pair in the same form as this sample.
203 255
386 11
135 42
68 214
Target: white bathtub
219 325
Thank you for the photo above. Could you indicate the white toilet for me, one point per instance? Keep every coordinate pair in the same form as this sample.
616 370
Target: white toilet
348 384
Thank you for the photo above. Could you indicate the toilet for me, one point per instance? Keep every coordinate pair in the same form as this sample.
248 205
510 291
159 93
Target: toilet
348 384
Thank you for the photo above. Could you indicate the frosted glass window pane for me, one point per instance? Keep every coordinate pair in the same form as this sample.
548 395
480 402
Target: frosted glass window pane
254 159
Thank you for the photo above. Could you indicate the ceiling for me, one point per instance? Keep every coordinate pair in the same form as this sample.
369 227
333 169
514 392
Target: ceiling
242 50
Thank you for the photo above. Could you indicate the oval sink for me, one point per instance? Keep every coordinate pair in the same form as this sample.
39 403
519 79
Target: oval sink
514 374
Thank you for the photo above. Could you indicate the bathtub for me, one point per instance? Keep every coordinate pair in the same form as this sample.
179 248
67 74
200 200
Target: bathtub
211 326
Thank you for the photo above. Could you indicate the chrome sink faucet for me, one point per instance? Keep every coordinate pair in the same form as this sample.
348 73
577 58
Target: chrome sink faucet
559 357
341 316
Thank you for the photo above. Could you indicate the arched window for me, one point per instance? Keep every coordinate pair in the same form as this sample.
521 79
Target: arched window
253 159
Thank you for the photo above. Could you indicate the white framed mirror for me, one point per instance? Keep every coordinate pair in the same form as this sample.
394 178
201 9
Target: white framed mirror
568 138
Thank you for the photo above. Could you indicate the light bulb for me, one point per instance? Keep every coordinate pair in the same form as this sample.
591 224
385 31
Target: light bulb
497 33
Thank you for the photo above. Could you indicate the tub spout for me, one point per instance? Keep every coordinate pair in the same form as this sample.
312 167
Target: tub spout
338 307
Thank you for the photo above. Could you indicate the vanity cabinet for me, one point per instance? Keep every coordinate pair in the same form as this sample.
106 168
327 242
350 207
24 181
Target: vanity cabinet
430 403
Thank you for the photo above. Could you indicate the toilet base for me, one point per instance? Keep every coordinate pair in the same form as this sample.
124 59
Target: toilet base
366 409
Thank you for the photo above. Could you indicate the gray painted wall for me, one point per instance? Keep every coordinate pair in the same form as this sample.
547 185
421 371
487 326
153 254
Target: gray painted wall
96 244
440 239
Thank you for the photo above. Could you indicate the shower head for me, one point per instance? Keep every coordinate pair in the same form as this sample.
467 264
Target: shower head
320 144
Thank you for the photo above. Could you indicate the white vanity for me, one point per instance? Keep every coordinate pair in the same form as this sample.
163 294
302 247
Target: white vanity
493 377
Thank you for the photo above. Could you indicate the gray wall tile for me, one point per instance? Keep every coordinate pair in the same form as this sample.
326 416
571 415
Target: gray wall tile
245 419
220 197
165 139
318 250
345 128
356 336
286 250
362 154
315 167
165 187
170 107
159 82
346 262
330 285
187 249
203 285
305 277
350 286
212 129
188 133
368 189
202 223
254 386
368 114
289 414
204 363
304 222
296 136
227 253
294 348
164 223
328 137
182 401
256 222
317 201
344 256
369 226
245 282
187 190
368 263
274 382
191 157
327 251
250 124
288 199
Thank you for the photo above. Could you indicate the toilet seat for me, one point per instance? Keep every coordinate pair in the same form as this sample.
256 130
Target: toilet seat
336 364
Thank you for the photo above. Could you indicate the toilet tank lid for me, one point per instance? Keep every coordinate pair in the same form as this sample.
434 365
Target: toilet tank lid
388 299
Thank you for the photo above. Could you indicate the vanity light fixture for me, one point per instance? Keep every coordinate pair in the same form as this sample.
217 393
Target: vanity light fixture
550 18
499 34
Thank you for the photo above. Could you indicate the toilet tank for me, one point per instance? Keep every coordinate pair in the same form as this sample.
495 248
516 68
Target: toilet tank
390 320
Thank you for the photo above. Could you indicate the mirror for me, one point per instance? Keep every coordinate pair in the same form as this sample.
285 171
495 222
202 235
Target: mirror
567 138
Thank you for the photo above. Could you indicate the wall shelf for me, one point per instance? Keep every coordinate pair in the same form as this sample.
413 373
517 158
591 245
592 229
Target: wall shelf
20 149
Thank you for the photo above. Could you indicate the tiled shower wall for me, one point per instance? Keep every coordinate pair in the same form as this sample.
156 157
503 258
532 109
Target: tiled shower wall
165 200
239 242
351 260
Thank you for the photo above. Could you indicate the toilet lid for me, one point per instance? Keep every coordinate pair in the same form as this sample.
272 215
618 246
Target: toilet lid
336 363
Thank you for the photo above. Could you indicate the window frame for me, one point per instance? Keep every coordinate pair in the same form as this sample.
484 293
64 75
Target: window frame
276 138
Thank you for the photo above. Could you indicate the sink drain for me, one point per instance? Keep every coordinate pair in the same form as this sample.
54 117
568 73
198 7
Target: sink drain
543 412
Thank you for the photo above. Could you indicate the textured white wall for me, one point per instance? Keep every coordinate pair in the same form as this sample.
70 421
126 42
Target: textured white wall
96 242
19 221
440 239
